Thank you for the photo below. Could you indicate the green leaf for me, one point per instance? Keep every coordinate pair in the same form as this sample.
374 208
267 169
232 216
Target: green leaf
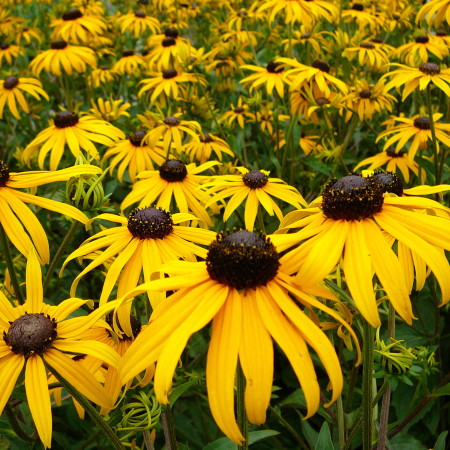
444 390
440 442
255 436
324 441
179 391
221 444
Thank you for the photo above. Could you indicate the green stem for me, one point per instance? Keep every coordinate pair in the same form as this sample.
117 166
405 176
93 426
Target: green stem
291 430
15 425
59 254
367 387
433 136
10 265
241 413
340 422
92 412
169 429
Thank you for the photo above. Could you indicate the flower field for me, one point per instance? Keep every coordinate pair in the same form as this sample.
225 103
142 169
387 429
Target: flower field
224 224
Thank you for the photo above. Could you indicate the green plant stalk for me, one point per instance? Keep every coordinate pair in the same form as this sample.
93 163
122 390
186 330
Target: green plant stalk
433 138
340 422
288 426
10 265
367 387
15 425
59 253
92 412
241 413
169 429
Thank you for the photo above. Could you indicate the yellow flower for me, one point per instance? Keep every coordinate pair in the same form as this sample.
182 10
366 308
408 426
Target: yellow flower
129 63
248 308
27 34
102 75
418 52
36 335
9 52
19 222
109 110
434 12
63 57
363 17
255 188
375 58
77 132
201 151
239 113
174 181
10 93
348 224
265 119
138 23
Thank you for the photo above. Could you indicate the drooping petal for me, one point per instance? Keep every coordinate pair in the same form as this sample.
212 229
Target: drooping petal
10 368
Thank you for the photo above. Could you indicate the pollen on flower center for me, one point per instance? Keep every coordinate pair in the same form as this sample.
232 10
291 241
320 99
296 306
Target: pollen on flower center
135 326
273 67
30 334
242 260
352 198
64 119
168 41
390 182
150 223
169 73
173 170
10 82
430 68
59 44
136 137
255 179
73 14
4 174
422 123
321 65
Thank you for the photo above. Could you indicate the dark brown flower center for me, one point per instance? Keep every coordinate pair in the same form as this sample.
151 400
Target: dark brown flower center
4 46
321 65
31 334
255 179
206 138
10 82
367 45
422 123
172 121
59 44
136 137
377 40
352 198
73 14
322 101
305 36
150 223
169 73
64 119
273 67
441 33
135 326
242 260
173 170
394 154
239 110
4 174
422 39
357 7
171 32
396 16
389 182
168 41
430 68
365 93
140 14
126 53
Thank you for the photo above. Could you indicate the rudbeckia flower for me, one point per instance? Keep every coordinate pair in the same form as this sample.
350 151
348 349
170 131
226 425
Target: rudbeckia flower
74 131
201 151
110 110
27 34
63 57
242 289
418 77
10 94
129 63
419 130
133 156
418 52
239 113
362 17
102 75
255 188
9 52
36 335
434 12
141 244
348 224
367 54
76 27
138 23
174 181
19 222
266 120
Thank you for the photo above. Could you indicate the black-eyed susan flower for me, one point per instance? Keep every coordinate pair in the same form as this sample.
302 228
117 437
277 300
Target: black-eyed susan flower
265 118
173 182
28 34
420 77
75 132
138 23
11 95
19 222
254 187
310 40
392 161
347 224
434 12
129 63
242 289
36 335
76 27
239 113
418 128
141 243
363 17
132 156
8 52
419 51
201 151
273 76
102 75
63 57
110 110
367 54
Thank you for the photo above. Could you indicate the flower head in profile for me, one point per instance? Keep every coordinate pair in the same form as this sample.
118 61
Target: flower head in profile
129 64
243 291
348 223
102 75
36 336
74 131
368 54
239 113
138 23
420 51
8 52
201 151
110 110
12 90
434 12
255 188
